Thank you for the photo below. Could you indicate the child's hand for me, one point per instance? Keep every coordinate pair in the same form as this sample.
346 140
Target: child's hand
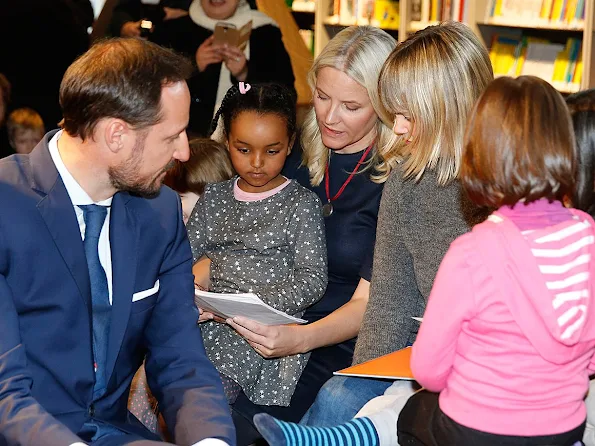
130 29
206 316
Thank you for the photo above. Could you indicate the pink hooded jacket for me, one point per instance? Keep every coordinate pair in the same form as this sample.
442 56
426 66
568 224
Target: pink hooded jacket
508 335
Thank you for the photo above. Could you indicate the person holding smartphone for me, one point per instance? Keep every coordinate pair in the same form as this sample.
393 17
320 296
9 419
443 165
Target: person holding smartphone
137 18
219 64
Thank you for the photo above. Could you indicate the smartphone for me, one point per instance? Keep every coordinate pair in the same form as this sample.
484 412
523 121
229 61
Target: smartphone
225 33
228 33
145 28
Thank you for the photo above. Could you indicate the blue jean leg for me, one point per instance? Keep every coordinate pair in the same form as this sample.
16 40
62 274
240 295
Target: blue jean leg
341 398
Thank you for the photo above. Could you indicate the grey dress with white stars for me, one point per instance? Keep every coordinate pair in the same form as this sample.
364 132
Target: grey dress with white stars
274 248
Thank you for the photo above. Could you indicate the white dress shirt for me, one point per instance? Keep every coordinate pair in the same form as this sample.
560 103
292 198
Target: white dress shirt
80 198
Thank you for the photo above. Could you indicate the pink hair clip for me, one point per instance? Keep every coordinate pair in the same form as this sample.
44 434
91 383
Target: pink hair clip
244 87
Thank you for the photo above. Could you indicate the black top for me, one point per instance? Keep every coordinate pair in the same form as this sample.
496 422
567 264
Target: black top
5 149
350 230
269 62
39 39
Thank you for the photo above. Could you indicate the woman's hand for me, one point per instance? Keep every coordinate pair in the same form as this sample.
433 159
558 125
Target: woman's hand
270 341
208 53
235 61
130 29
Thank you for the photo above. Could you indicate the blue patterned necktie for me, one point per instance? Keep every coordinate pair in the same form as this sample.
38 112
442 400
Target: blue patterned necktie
94 216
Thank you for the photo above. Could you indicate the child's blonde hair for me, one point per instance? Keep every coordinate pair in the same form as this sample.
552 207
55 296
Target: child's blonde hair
23 119
208 163
359 52
434 78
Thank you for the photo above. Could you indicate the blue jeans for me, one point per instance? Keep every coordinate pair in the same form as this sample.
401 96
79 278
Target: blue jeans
341 398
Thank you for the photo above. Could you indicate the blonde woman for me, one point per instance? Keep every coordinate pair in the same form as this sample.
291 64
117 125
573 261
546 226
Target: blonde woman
427 87
339 141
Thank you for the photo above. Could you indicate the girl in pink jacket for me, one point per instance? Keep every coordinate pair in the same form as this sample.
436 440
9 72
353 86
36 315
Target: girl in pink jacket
508 335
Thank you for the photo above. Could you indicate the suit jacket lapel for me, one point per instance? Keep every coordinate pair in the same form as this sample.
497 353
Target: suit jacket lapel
123 242
60 218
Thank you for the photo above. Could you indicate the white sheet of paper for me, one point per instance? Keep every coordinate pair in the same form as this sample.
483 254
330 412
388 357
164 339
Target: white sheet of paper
418 319
245 304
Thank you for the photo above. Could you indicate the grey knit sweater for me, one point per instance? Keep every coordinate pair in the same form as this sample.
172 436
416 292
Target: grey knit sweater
274 248
416 224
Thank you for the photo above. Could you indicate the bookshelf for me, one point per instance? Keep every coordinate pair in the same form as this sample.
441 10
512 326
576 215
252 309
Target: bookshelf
545 26
568 33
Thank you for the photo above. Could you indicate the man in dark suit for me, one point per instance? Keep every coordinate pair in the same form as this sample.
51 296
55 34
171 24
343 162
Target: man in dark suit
95 265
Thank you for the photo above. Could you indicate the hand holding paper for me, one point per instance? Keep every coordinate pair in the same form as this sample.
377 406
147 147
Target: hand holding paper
248 305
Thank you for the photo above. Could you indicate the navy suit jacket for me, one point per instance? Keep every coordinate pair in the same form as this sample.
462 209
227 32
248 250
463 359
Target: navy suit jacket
46 359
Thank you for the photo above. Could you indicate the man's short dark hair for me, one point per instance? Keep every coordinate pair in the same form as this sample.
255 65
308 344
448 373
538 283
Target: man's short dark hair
118 78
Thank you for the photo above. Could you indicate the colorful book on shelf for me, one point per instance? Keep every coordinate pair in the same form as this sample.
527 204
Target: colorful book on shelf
570 10
395 365
435 10
416 10
425 10
557 10
540 60
546 9
504 54
515 54
458 10
574 51
446 12
561 64
578 71
580 10
497 8
522 52
386 14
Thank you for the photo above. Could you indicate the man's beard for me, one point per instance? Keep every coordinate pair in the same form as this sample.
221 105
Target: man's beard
125 176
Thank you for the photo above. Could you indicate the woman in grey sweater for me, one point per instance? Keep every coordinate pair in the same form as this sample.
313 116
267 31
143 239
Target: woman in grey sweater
422 208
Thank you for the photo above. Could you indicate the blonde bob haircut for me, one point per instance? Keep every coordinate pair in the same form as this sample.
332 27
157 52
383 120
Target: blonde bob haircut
433 78
359 52
519 145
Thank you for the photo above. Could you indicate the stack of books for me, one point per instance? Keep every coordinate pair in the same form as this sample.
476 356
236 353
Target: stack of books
561 65
439 10
537 13
380 13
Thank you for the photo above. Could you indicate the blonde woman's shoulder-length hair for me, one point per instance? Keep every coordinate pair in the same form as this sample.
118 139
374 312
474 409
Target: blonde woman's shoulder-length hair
359 52
434 78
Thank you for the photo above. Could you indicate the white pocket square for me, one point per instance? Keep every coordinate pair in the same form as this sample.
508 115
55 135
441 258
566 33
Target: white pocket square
144 294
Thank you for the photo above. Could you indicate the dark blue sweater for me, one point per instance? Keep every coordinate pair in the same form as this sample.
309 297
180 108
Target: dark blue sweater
350 230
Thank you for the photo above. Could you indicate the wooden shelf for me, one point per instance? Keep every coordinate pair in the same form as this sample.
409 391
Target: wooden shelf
415 26
335 21
562 87
305 7
545 24
485 28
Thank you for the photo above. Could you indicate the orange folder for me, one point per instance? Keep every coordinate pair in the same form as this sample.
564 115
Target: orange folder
392 366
